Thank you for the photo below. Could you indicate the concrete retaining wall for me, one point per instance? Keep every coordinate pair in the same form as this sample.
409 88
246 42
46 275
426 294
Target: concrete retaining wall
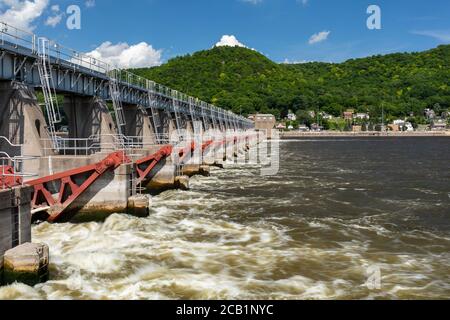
22 122
109 194
138 124
15 220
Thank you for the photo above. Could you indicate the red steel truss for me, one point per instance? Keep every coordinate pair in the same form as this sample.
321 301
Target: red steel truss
146 165
71 184
69 190
206 145
186 152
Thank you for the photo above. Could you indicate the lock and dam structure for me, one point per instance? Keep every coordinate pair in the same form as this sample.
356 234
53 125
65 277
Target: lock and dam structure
123 137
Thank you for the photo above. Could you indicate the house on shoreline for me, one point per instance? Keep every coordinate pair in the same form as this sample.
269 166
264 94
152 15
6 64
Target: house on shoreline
264 122
438 125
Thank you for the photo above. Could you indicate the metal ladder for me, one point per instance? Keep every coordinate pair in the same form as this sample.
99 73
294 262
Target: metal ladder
156 120
235 123
176 109
213 117
15 221
48 87
117 103
222 125
179 170
136 187
205 120
191 110
229 122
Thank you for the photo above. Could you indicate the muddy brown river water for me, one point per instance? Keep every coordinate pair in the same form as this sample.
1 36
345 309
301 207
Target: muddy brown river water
337 208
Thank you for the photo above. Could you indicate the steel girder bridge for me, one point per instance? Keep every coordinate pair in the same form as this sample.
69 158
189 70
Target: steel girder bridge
39 62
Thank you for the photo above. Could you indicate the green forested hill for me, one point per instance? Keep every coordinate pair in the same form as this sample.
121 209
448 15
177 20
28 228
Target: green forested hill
245 81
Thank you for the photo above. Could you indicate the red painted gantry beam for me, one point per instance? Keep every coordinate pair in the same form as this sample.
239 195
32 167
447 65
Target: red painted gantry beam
145 165
187 151
206 145
8 178
69 190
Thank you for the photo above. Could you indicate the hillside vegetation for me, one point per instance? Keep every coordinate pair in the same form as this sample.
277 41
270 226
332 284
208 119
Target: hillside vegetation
245 81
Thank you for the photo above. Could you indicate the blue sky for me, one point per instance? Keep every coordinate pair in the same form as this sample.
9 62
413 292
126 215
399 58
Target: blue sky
280 29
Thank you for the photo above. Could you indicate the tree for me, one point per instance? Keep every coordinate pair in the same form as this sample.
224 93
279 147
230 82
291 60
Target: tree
336 124
242 79
303 117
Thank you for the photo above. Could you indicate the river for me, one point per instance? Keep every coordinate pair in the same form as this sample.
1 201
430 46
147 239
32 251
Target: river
338 208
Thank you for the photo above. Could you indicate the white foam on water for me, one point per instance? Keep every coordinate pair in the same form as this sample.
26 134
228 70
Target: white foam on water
19 292
201 245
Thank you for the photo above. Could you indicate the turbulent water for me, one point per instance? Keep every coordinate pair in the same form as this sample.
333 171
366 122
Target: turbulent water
336 208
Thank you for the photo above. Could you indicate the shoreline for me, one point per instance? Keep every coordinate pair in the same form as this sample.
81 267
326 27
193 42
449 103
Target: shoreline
331 134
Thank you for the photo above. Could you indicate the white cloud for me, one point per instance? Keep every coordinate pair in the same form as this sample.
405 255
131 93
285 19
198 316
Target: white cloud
89 3
22 13
287 61
303 2
53 21
440 35
319 37
122 55
252 1
229 41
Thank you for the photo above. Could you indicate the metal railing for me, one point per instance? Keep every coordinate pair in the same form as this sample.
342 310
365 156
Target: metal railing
12 167
17 37
106 143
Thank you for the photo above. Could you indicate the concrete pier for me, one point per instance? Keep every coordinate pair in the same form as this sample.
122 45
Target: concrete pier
229 151
108 195
93 134
27 263
163 177
15 220
23 123
209 157
89 117
205 170
74 175
139 205
138 125
220 156
191 169
182 182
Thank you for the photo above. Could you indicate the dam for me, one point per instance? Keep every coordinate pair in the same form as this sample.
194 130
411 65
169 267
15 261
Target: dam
124 137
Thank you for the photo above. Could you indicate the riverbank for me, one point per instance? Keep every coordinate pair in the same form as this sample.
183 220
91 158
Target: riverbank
332 134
